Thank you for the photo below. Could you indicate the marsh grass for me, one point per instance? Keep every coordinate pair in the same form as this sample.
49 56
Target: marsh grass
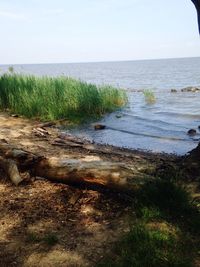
57 98
149 96
11 69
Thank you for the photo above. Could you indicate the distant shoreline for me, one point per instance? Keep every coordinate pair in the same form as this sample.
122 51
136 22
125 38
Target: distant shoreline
99 62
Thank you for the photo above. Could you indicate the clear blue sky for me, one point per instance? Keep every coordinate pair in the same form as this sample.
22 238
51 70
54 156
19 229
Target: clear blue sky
47 31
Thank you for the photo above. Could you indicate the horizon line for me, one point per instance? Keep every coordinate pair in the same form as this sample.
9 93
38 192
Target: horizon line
103 61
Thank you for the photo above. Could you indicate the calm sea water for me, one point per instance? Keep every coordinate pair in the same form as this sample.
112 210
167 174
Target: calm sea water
160 127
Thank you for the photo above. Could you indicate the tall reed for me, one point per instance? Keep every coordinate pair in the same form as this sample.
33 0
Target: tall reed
149 96
50 98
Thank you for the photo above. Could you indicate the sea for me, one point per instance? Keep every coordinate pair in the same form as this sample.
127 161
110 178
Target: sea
159 127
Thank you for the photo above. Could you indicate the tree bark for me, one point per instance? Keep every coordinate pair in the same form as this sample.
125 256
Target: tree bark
101 173
197 5
191 163
11 169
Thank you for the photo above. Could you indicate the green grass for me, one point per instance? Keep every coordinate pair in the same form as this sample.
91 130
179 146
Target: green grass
11 69
170 201
149 96
165 232
32 237
49 98
145 247
49 239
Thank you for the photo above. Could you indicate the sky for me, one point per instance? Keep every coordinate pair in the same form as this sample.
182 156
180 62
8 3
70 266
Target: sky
62 31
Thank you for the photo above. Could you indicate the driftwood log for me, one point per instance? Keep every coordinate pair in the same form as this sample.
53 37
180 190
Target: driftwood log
12 160
72 171
11 169
69 171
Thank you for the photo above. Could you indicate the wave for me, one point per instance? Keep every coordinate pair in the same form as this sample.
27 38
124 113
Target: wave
183 115
172 138
153 121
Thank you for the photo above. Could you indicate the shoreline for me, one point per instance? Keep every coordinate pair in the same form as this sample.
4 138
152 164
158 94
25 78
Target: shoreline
50 142
53 221
15 129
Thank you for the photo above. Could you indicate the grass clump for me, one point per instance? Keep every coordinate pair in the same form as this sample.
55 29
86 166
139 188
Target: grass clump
145 247
165 232
165 196
168 200
149 97
49 239
11 69
50 98
149 213
33 237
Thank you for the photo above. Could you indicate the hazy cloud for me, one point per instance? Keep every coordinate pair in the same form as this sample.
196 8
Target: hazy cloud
56 11
12 15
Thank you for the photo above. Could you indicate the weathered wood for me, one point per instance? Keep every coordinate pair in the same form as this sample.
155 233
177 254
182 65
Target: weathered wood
11 169
13 160
68 141
69 171
24 159
111 175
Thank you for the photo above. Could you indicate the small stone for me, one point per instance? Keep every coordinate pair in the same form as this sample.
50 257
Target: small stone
46 124
14 115
99 126
192 132
173 91
118 116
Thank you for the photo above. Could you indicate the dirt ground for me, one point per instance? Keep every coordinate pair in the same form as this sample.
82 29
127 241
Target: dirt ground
48 224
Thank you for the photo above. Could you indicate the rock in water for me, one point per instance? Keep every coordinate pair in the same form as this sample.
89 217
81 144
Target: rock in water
118 116
192 132
190 89
99 127
173 91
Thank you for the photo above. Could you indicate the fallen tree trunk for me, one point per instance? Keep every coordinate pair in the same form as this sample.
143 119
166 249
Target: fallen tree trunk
68 171
111 175
11 169
12 160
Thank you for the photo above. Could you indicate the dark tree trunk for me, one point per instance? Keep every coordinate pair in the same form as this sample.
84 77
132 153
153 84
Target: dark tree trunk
197 5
